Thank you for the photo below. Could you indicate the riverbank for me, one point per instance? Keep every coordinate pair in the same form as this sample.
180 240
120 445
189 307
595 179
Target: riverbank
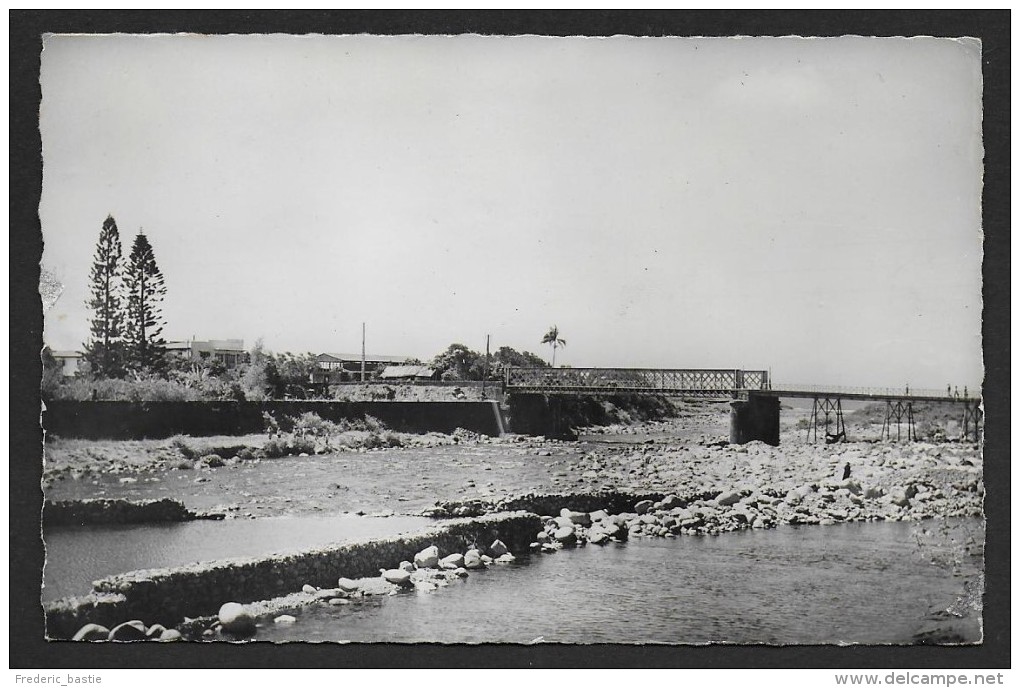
693 482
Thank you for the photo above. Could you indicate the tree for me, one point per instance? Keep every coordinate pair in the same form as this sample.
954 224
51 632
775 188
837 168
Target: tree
456 363
145 289
553 337
104 350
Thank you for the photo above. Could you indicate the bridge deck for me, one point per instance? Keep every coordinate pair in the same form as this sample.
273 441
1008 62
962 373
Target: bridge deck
703 383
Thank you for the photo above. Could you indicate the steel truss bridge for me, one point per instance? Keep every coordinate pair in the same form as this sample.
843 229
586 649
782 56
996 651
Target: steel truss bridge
647 381
741 384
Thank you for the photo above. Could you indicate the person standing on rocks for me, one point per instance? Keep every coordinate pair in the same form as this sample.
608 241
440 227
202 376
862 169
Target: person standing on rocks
846 470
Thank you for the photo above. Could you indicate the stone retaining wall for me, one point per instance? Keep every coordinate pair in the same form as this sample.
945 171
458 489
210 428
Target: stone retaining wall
166 596
124 420
105 511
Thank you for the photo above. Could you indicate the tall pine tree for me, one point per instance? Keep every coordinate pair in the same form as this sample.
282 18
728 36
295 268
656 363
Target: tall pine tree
143 283
104 350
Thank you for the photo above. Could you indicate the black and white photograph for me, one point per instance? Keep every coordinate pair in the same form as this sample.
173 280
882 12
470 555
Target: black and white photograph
465 339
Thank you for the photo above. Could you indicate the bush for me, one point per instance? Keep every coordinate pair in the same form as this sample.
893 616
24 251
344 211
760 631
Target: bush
179 443
280 447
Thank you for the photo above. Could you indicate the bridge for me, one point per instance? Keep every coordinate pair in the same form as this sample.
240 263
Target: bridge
754 397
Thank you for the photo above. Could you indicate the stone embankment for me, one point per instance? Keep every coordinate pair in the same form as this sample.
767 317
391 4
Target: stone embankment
87 512
165 597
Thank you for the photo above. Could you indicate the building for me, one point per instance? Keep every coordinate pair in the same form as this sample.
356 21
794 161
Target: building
70 362
229 352
336 367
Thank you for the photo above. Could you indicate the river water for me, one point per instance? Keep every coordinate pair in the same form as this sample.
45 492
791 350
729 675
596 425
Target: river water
76 556
865 583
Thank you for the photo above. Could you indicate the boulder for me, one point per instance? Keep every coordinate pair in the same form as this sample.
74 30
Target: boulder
155 631
473 559
235 619
578 517
565 535
643 506
428 558
600 515
309 589
397 576
406 566
170 635
563 522
505 558
348 585
127 631
899 497
497 548
728 498
670 502
91 633
453 561
598 537
284 619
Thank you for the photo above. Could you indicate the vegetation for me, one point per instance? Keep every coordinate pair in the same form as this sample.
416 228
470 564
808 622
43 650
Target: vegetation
552 337
104 351
145 288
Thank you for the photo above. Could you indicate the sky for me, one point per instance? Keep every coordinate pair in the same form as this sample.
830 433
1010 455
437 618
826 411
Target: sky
807 206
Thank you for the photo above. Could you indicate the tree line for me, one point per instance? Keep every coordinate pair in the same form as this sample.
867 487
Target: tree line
125 297
125 355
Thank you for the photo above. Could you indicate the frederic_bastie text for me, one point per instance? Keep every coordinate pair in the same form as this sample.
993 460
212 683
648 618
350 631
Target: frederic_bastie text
57 679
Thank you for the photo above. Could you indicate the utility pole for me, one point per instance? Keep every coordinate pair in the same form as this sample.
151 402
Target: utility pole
362 352
485 368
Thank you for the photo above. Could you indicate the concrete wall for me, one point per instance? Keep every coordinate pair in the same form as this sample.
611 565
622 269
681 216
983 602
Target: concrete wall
159 419
166 596
757 418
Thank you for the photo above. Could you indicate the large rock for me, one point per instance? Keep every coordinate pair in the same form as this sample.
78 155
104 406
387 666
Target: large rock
170 635
563 522
92 633
565 535
497 549
899 497
578 517
127 631
348 585
670 502
505 558
235 619
428 558
728 498
155 631
286 619
397 576
643 506
600 515
473 559
451 562
406 566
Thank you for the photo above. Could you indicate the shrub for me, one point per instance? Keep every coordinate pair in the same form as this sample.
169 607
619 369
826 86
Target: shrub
179 443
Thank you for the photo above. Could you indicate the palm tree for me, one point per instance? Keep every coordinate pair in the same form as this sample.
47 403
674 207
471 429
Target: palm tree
553 337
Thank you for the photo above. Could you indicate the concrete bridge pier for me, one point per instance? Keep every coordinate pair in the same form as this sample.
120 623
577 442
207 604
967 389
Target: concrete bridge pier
755 418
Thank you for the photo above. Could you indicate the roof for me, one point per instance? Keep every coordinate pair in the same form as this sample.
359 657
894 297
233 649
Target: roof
398 371
356 358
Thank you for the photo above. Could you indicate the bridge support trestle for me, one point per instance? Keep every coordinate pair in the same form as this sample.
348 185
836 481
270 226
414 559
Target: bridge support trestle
899 412
829 413
972 422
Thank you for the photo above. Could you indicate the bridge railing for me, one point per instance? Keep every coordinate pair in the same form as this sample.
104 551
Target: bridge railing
899 392
641 379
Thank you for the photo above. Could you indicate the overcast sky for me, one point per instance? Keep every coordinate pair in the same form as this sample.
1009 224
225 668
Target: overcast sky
809 206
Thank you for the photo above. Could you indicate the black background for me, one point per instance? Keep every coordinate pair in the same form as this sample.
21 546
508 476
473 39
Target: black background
27 646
